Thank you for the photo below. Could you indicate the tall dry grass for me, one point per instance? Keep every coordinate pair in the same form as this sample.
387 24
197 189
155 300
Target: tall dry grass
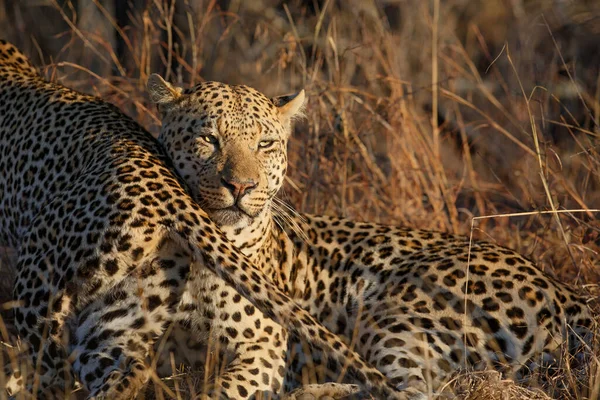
420 113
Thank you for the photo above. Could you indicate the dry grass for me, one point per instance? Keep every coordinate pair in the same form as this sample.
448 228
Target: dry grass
420 113
489 385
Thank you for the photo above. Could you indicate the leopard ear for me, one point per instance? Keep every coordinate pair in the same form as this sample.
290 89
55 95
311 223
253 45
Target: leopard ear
162 93
290 106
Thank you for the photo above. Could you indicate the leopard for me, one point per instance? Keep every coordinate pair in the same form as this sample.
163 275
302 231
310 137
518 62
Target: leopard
113 250
419 305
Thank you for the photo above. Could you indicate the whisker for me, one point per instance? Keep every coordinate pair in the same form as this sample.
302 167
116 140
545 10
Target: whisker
288 215
283 221
291 210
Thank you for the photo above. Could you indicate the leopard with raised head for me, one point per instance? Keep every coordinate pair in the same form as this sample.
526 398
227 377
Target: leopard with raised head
419 305
112 250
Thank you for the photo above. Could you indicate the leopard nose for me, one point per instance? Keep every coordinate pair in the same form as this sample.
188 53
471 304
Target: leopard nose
237 187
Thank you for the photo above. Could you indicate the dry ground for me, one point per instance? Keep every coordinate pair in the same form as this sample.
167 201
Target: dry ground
476 117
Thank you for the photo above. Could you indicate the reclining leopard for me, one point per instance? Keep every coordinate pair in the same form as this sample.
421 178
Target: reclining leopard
112 250
420 305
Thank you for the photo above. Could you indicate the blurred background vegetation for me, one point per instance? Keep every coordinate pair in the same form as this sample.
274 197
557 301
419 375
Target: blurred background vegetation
421 113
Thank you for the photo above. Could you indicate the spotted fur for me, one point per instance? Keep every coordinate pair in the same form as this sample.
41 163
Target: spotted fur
419 305
112 249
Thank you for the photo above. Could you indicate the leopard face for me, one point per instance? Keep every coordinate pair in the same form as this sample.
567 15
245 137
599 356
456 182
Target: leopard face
228 143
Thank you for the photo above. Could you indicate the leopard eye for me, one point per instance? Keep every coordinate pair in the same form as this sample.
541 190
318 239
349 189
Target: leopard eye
210 139
266 144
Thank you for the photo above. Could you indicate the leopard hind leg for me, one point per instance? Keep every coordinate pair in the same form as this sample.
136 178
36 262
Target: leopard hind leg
114 334
40 319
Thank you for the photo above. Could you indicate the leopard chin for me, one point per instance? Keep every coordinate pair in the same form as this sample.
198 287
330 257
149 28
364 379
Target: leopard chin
232 215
